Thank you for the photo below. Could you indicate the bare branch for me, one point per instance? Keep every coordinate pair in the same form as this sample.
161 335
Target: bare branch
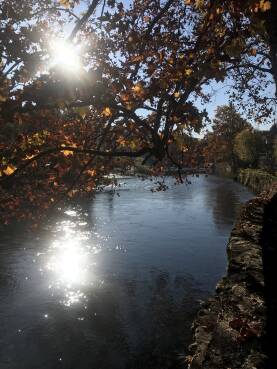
81 22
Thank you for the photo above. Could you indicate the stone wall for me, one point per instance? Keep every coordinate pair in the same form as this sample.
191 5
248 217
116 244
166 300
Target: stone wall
235 329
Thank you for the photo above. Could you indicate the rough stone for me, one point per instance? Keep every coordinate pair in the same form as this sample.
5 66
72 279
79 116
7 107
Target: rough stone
234 328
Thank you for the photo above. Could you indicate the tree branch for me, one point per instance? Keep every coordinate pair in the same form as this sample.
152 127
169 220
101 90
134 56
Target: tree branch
130 154
249 65
81 22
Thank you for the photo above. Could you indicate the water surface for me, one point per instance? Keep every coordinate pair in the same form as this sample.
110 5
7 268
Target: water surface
117 285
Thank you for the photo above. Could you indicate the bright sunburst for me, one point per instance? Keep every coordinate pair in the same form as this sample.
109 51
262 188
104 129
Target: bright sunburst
65 55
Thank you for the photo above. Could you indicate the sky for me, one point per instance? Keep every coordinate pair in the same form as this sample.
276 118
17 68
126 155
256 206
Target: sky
220 97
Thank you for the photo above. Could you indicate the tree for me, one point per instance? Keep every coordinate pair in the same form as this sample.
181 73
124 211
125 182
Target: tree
131 92
247 146
227 123
274 152
252 53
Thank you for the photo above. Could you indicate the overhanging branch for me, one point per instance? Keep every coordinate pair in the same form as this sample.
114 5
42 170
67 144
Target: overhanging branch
111 154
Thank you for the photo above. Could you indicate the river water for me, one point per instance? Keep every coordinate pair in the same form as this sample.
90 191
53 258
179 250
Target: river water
115 285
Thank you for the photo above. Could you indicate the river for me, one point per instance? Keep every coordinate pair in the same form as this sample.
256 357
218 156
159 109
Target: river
115 284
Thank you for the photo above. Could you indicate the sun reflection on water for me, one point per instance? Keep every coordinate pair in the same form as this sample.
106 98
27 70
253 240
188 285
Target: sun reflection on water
70 261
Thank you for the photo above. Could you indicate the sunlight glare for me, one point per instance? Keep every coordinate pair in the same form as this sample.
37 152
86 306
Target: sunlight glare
65 55
69 262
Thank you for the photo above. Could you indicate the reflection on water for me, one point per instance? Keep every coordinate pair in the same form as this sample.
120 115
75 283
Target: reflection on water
118 286
70 263
69 260
223 201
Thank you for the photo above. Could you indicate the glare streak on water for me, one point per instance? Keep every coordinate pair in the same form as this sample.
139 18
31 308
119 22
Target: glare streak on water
116 286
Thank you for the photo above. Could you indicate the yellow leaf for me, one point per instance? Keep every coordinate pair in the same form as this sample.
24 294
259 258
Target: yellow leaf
188 71
265 5
199 3
29 157
9 170
3 98
137 88
67 152
107 112
65 3
133 145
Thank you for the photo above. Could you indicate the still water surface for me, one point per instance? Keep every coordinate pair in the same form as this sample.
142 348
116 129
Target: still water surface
117 285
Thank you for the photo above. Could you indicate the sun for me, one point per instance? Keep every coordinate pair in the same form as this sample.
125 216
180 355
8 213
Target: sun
65 55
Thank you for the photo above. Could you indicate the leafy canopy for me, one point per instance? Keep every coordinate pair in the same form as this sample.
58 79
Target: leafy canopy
81 89
247 146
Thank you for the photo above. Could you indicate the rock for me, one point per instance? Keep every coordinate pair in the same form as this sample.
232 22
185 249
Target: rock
231 329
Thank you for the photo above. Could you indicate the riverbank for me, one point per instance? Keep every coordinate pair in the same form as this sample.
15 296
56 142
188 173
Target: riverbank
256 179
234 328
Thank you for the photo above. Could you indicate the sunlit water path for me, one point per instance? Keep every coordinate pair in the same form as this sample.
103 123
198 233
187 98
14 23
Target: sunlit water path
116 286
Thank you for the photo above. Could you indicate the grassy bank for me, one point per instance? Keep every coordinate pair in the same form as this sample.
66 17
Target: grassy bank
256 179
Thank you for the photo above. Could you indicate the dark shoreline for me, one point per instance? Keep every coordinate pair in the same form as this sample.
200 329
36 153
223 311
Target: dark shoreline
235 328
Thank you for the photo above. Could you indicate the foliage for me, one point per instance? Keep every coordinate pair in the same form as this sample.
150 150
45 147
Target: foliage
257 179
275 150
252 52
247 146
227 123
132 92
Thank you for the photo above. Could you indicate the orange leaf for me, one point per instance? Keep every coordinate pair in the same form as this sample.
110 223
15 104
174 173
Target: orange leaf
265 5
9 170
92 173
